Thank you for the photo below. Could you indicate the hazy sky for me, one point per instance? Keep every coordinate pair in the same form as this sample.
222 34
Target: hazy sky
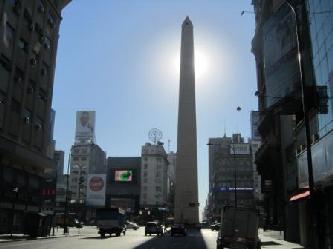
119 58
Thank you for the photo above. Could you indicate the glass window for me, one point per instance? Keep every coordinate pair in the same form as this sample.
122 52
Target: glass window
4 76
22 44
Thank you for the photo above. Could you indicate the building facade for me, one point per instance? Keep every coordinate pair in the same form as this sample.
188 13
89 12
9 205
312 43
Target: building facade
123 183
282 159
231 174
154 176
85 159
172 161
29 37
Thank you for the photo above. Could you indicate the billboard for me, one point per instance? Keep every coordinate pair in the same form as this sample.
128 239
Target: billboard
96 186
85 126
123 175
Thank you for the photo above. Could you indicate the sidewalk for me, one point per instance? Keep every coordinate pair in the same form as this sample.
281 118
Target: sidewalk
274 239
57 234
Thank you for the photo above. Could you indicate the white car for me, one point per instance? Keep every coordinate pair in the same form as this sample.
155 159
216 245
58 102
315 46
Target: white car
132 225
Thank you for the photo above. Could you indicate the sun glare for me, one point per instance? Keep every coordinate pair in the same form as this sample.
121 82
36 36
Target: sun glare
201 61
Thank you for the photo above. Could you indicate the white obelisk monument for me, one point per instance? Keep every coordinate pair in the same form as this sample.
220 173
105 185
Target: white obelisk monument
186 194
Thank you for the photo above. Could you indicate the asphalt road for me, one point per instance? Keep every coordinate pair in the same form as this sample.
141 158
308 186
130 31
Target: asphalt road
88 238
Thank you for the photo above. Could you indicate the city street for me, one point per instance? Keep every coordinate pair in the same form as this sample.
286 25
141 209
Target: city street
88 238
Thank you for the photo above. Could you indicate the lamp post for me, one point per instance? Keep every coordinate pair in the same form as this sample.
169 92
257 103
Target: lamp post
16 189
66 198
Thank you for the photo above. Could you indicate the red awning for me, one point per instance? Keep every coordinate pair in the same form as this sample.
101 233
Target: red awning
300 196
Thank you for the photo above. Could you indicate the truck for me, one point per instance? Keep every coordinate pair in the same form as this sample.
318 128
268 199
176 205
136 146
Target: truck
111 221
239 228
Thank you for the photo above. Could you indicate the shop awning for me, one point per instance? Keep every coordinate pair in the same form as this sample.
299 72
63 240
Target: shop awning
300 196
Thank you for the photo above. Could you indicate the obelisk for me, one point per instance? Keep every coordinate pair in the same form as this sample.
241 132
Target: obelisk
186 192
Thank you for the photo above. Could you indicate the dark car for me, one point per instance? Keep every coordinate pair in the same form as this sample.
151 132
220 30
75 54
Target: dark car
178 229
153 228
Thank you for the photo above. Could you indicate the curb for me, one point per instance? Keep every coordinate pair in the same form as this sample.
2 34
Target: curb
38 238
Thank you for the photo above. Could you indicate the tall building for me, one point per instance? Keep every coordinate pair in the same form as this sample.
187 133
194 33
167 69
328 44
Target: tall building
59 158
154 176
231 168
282 159
186 194
28 47
124 184
85 159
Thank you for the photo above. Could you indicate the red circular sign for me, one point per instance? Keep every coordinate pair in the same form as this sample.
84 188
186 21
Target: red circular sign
96 183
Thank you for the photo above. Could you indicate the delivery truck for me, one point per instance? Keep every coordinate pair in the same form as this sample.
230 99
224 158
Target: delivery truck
111 221
239 228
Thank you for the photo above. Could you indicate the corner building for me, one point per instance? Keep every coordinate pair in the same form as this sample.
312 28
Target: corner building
29 37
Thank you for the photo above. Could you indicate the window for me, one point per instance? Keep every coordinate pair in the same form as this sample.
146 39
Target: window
9 35
4 76
47 42
145 166
22 44
158 189
158 174
41 7
75 158
83 158
50 20
8 174
145 180
2 109
145 173
145 188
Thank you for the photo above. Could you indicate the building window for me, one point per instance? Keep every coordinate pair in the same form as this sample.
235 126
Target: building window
145 166
158 189
83 158
22 44
145 173
50 20
145 180
9 35
4 76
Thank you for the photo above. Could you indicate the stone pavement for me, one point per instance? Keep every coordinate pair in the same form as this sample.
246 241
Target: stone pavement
274 240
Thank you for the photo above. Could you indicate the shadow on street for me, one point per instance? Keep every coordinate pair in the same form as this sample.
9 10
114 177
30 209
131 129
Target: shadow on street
193 240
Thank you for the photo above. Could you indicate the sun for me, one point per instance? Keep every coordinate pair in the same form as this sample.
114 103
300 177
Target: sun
201 63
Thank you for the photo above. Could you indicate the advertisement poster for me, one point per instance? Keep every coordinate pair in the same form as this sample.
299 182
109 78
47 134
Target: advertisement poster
96 186
123 175
85 126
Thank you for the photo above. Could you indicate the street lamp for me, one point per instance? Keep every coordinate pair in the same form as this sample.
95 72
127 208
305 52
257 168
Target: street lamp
246 11
66 198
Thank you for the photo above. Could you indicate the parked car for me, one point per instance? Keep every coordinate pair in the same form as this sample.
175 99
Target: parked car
178 229
215 226
153 228
132 225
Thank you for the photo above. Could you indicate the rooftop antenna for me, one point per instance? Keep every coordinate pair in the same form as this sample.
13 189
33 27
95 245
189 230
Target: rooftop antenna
155 135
